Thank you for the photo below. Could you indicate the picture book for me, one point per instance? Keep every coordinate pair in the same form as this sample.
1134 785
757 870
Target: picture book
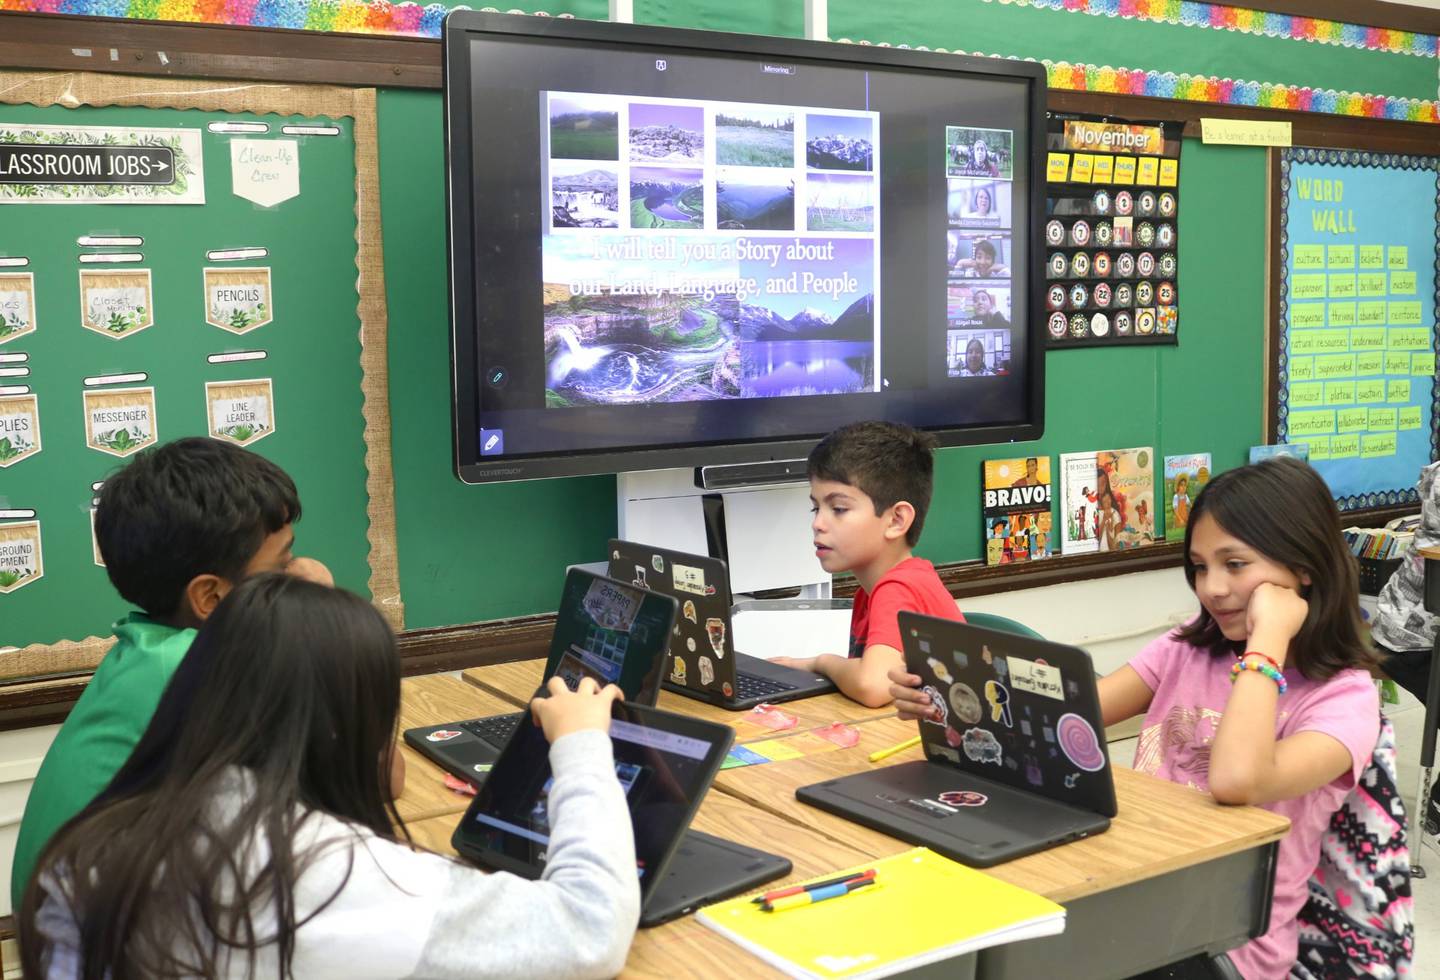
1108 499
1184 477
1258 454
921 909
1016 509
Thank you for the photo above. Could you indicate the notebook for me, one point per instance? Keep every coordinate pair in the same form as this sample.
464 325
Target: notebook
665 762
611 631
923 908
703 661
1018 762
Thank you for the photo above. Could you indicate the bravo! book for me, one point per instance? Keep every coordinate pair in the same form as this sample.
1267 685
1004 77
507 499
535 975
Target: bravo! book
1016 507
1184 477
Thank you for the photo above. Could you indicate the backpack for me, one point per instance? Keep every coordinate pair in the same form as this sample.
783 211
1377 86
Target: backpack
1357 921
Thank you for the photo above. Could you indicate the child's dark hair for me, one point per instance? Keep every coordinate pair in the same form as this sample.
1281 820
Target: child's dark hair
986 246
288 699
887 461
1283 509
191 507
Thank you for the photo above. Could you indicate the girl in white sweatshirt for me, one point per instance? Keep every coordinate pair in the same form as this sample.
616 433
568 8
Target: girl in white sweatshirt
253 833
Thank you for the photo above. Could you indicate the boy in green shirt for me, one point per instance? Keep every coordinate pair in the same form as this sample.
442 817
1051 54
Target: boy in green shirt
177 527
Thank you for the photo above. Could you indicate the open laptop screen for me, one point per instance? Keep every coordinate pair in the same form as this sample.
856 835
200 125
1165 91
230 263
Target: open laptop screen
664 761
614 632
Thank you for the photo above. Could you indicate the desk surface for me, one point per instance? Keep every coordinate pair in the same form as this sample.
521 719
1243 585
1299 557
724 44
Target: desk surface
435 700
516 682
1161 827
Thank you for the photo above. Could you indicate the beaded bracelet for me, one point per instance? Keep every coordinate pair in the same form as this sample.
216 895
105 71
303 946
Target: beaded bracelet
1266 669
1263 656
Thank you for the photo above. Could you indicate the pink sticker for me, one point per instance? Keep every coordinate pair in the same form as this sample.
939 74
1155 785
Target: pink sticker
840 734
443 735
963 797
458 785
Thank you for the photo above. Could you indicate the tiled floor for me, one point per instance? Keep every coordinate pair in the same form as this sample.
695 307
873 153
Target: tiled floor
1408 718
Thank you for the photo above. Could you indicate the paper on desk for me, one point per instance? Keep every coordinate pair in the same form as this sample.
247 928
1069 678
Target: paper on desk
762 720
829 739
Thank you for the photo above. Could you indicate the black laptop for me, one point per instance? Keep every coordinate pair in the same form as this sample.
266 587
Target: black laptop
611 631
1018 764
666 763
703 661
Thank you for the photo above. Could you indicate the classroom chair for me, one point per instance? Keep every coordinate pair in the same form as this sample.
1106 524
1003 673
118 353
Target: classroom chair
1432 716
991 621
1358 919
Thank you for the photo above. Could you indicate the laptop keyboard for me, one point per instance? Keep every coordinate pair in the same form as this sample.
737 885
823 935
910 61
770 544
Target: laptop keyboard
496 729
752 686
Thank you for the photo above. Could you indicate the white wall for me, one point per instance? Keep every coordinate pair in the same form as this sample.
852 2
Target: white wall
20 754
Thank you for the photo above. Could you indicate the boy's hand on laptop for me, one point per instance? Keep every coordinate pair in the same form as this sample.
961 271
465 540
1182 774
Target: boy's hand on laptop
311 571
912 703
566 711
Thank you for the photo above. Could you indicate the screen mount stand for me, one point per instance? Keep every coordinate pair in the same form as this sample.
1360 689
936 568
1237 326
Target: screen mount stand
762 532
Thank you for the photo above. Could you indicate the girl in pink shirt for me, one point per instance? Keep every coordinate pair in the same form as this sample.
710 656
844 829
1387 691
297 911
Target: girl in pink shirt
1264 698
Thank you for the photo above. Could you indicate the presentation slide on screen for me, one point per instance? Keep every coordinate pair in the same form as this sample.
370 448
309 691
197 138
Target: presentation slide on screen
698 250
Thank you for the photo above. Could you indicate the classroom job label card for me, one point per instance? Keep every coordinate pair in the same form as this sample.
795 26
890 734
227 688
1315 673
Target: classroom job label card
241 412
21 561
120 422
265 171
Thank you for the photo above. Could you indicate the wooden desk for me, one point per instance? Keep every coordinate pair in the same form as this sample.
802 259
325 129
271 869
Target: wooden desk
1175 874
434 700
516 682
685 948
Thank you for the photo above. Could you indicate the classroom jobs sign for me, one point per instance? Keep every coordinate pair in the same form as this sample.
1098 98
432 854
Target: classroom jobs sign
1357 319
100 165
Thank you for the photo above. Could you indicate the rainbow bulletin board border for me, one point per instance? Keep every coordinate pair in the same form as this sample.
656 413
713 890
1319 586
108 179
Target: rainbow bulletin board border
1352 481
414 20
1219 16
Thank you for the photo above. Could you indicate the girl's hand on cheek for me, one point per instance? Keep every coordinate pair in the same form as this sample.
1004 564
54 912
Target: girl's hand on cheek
1276 611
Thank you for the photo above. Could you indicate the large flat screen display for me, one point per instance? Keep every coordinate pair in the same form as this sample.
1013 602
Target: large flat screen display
680 248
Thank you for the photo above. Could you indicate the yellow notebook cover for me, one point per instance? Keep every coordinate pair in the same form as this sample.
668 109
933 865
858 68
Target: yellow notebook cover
923 908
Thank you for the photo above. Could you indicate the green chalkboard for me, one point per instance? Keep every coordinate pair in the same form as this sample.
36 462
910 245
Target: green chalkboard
312 349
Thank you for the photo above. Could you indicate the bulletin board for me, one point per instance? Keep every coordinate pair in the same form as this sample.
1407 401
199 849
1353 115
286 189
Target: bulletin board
1355 333
195 258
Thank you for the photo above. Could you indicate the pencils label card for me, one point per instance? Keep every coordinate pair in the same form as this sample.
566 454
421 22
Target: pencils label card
120 422
265 171
241 412
17 305
117 303
238 300
19 428
21 559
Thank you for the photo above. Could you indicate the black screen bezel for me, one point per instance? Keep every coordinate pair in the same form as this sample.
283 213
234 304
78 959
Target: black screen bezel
462 25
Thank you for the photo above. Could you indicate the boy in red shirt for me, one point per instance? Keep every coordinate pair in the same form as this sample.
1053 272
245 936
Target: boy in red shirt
870 485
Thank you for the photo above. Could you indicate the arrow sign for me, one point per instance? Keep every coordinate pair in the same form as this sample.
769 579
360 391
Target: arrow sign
35 163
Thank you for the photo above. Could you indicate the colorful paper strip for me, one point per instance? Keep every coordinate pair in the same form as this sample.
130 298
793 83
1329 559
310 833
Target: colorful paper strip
1219 16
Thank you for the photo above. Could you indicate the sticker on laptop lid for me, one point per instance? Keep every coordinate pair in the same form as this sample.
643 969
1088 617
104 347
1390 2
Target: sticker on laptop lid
939 669
688 611
443 735
707 671
677 669
657 563
981 746
1078 742
715 630
998 697
966 703
939 702
687 578
1036 678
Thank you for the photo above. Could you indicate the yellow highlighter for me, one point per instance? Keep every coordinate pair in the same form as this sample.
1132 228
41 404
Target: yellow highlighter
887 753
